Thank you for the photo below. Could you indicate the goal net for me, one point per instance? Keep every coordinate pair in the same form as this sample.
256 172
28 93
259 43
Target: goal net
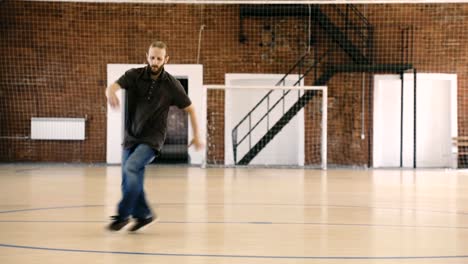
395 73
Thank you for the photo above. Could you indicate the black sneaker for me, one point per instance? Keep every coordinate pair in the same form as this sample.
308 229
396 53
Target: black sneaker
141 222
117 223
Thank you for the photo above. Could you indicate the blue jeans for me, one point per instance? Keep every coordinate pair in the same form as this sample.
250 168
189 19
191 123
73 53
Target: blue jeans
133 201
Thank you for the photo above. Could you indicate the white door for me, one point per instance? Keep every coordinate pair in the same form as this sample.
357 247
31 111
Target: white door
436 120
287 147
433 124
197 94
386 147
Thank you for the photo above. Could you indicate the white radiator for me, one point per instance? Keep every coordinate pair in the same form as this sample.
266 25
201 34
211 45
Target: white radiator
52 128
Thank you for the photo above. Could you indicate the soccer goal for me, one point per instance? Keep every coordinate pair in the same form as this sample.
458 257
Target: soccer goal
267 125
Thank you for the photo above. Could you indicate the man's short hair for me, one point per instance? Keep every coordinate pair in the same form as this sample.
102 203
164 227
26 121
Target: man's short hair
158 44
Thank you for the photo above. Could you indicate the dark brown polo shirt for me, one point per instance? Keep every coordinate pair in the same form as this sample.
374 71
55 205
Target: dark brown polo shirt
147 105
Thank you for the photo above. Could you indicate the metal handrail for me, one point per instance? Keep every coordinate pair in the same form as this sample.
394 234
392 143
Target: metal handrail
235 130
269 92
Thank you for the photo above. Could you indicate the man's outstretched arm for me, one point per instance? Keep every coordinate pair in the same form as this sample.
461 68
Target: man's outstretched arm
196 141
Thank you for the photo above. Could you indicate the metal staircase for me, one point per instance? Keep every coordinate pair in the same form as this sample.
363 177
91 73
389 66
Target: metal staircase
351 32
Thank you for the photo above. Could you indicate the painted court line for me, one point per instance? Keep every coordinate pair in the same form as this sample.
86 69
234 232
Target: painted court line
228 256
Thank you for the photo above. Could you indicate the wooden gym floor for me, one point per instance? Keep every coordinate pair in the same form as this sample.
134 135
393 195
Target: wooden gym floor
53 213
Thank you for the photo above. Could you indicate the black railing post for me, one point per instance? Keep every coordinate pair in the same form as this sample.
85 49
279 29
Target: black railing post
268 113
283 102
401 118
250 131
315 68
234 144
242 37
414 119
347 19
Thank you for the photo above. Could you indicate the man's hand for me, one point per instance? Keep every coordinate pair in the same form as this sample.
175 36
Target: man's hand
112 98
197 143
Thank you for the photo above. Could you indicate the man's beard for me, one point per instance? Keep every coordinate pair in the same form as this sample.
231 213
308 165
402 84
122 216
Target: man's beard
158 71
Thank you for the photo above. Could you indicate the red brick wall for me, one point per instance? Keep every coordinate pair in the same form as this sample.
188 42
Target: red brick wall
53 61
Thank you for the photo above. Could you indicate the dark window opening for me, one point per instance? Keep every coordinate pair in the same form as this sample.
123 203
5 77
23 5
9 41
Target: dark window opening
175 148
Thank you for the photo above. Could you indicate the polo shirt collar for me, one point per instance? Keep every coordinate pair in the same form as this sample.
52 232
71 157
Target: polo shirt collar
147 74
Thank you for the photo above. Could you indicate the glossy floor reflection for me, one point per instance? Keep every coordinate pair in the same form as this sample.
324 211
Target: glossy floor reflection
57 214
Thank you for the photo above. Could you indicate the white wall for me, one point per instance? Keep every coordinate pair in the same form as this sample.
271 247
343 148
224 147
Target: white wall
436 120
196 92
287 147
